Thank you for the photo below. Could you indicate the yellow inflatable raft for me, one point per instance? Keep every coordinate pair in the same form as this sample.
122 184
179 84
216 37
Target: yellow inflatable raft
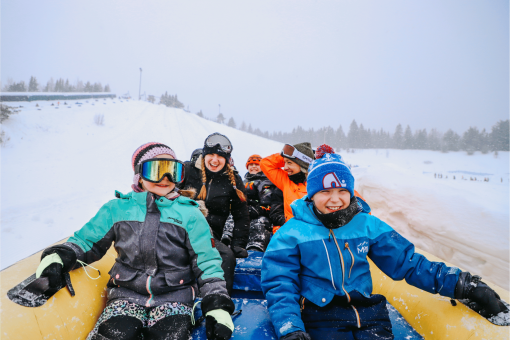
65 317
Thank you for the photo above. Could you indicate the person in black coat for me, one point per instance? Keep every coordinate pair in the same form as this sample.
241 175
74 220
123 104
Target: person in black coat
277 212
222 191
258 191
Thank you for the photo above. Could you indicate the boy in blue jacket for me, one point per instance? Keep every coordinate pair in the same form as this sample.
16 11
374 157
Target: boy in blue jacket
315 272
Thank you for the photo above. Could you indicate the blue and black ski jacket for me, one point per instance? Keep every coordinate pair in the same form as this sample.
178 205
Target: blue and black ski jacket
306 259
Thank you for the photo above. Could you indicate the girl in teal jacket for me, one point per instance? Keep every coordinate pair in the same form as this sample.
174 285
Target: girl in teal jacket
166 256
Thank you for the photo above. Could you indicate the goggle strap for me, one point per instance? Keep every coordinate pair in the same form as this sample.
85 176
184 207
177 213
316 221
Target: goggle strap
302 156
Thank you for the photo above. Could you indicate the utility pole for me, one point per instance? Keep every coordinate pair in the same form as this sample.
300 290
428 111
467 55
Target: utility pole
140 89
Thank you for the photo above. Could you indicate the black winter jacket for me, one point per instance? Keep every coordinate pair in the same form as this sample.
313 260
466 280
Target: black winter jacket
277 212
221 200
258 191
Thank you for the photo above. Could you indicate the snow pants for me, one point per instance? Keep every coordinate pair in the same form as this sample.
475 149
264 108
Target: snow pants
124 320
228 264
342 321
259 234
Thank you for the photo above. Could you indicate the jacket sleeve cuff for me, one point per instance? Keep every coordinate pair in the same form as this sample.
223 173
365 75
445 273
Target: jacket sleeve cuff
460 287
217 301
66 253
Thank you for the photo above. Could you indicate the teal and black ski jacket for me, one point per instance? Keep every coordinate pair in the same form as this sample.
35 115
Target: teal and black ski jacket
164 249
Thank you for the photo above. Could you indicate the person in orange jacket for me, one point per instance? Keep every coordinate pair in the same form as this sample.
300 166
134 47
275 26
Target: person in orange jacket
291 180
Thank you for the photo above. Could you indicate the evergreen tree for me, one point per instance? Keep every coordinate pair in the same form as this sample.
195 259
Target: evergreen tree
471 140
243 126
352 136
362 137
398 137
200 114
434 140
420 140
499 136
450 141
484 142
231 122
50 86
88 87
341 139
18 87
107 89
408 139
220 119
79 86
98 87
250 129
33 85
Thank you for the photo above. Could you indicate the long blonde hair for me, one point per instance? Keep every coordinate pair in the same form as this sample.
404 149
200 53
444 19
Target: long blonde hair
230 172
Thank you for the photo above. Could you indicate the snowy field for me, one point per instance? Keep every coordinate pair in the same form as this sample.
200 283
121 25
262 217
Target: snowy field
59 168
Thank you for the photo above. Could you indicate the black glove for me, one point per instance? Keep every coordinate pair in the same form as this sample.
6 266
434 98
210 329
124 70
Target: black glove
483 299
55 274
299 335
239 252
215 330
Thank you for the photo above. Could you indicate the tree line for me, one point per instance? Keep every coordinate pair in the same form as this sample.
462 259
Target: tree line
358 137
60 85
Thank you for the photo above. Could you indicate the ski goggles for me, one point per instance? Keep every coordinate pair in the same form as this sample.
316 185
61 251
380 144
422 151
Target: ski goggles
291 152
155 169
218 139
255 159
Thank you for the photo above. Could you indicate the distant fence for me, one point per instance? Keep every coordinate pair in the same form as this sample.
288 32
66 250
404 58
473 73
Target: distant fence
31 96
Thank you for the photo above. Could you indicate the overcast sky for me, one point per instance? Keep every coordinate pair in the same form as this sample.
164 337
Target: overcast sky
277 64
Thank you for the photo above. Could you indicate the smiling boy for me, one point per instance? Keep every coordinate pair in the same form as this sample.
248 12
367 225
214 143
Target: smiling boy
316 275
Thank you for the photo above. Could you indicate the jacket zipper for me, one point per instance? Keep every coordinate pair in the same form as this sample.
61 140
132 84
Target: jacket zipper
358 320
329 262
343 267
208 189
352 256
148 287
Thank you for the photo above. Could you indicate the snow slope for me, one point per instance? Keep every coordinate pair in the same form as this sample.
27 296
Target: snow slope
58 168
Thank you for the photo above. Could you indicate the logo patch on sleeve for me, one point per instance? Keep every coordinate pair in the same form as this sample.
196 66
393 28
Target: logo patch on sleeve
212 243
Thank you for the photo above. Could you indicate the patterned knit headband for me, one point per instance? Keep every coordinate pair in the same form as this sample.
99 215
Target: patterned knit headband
144 152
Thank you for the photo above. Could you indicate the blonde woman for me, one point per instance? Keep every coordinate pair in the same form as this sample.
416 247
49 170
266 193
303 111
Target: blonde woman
222 190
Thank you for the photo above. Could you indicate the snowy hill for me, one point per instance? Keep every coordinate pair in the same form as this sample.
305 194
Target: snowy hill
59 167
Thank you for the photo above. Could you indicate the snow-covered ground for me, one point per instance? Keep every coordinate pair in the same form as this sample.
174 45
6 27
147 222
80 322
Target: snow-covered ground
462 221
58 167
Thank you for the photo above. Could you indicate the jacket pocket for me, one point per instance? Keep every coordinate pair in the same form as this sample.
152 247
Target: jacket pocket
122 273
178 278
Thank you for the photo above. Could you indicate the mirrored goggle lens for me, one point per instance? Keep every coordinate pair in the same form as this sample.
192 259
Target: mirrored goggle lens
288 150
155 170
221 140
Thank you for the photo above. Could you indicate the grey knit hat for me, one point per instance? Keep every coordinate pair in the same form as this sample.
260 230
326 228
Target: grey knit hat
304 148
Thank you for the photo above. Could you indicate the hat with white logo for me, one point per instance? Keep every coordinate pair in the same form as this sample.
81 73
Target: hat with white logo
329 172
